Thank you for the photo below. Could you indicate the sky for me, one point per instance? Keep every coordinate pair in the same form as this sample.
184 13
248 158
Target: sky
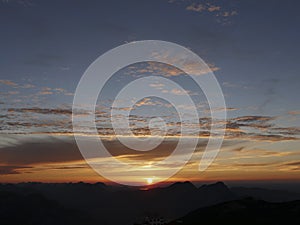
250 46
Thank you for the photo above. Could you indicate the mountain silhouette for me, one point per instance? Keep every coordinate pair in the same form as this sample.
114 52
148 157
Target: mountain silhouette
247 211
35 209
266 194
117 205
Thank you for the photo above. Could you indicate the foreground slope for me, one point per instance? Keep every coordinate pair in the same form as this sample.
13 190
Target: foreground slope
245 211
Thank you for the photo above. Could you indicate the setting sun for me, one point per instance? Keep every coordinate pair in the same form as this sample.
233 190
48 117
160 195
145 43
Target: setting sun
149 181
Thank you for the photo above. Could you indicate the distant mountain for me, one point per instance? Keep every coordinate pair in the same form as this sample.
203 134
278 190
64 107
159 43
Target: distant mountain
246 211
266 194
124 205
35 209
105 202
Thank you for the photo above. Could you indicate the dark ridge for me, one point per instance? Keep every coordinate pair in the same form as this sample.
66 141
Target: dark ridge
218 184
122 205
182 185
248 211
36 209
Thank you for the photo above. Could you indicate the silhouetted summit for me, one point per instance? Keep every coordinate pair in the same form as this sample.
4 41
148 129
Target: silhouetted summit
216 186
182 186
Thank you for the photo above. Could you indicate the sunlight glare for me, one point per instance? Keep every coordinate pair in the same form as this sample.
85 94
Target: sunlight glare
149 181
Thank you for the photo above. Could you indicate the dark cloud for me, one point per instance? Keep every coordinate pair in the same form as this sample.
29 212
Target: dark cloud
253 119
54 120
293 163
252 164
270 137
287 130
56 150
238 149
44 152
259 128
47 111
69 167
270 92
5 170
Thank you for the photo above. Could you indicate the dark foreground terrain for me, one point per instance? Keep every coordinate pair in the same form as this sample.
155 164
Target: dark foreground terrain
180 203
245 211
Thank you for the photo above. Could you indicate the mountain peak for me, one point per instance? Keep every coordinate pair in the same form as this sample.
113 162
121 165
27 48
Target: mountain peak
217 185
182 185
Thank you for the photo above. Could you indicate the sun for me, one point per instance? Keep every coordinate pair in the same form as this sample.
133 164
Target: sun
149 181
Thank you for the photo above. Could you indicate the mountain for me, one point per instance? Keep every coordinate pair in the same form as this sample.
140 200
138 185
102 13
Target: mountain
115 205
35 209
245 211
105 202
265 194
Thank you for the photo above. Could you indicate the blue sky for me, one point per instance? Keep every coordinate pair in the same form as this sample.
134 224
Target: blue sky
50 44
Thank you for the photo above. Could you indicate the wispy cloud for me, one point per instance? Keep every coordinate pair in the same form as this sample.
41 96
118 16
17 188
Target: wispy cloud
196 7
6 170
8 83
294 112
58 120
47 111
221 13
155 68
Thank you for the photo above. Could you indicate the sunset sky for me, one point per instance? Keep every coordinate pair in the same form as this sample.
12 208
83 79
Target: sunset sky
252 47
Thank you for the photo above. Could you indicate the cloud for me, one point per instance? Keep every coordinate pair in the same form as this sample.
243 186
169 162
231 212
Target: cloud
286 130
227 13
227 109
190 66
259 128
255 122
221 14
30 153
253 119
297 163
69 167
8 83
13 92
145 101
294 112
290 166
15 85
244 152
51 91
176 91
28 86
47 111
167 70
270 92
196 7
157 85
6 170
251 164
41 154
50 150
58 120
213 8
203 7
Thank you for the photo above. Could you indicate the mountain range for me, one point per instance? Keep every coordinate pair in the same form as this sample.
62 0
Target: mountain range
110 205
